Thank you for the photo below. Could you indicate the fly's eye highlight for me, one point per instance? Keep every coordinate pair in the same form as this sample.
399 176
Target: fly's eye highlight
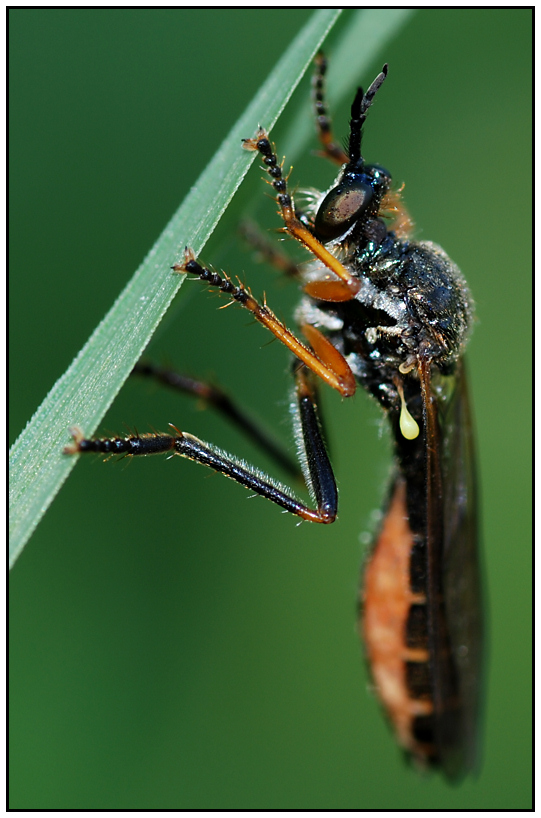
342 206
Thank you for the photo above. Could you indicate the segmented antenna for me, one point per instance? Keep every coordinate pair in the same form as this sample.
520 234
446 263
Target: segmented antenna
360 106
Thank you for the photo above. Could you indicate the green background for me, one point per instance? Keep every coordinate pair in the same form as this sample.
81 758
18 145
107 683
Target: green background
174 644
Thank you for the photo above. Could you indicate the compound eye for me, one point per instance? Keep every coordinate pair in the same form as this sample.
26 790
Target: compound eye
340 208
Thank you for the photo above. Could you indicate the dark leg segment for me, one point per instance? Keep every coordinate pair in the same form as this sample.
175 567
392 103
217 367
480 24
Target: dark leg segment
316 465
223 404
312 449
133 445
267 250
323 121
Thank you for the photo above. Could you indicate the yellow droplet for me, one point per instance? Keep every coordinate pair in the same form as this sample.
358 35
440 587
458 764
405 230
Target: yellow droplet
408 425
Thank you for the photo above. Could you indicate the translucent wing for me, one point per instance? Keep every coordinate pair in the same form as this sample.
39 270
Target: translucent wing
455 624
463 600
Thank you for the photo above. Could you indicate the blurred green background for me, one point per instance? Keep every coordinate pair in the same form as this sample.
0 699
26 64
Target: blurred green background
174 644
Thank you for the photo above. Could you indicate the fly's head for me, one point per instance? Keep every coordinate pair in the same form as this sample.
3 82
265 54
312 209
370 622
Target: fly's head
349 210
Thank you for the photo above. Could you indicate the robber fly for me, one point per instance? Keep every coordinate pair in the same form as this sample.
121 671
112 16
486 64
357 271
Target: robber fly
393 315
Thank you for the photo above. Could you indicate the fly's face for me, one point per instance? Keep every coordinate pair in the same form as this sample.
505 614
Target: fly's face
347 213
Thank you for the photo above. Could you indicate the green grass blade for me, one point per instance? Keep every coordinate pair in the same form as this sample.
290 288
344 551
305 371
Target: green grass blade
37 467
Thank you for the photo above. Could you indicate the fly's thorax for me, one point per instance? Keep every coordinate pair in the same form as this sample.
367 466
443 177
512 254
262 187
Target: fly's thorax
412 298
425 297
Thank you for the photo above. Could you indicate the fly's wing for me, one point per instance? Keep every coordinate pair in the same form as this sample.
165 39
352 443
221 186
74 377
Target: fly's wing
454 592
461 581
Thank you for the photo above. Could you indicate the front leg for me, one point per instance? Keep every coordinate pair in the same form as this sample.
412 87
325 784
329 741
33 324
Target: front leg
294 226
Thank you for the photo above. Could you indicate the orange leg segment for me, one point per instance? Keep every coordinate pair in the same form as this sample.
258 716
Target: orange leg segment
332 358
325 361
330 290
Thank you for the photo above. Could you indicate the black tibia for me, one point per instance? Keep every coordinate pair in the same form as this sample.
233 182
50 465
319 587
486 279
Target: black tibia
316 466
314 457
194 449
223 404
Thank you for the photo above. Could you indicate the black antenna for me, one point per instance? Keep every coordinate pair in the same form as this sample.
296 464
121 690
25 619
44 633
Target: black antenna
361 104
